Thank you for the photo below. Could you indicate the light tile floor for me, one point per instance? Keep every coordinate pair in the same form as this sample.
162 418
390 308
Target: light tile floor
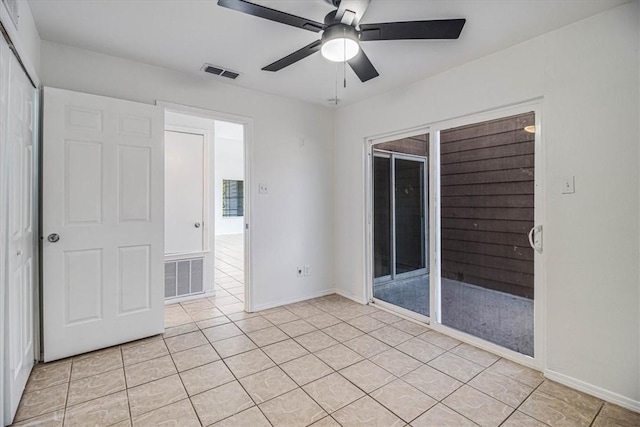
327 362
229 274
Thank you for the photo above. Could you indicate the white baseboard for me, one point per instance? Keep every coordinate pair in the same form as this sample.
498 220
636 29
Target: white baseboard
352 297
207 294
601 393
274 304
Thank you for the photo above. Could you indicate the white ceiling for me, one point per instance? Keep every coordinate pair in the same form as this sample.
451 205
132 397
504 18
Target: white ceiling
184 34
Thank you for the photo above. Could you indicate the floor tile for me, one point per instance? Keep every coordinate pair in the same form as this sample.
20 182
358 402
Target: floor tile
206 377
405 401
322 320
441 416
52 419
194 357
456 367
221 402
441 340
267 336
338 356
155 394
502 388
249 363
476 355
366 323
185 341
241 315
253 324
266 385
280 317
104 411
367 375
315 341
333 392
232 308
177 414
216 321
179 330
149 371
294 408
518 419
40 402
517 372
141 353
97 364
553 411
432 382
233 346
366 412
252 417
410 327
342 332
306 369
385 316
420 350
46 375
304 310
222 332
96 386
588 404
615 415
396 362
284 351
478 407
390 335
366 346
196 305
326 422
297 328
209 313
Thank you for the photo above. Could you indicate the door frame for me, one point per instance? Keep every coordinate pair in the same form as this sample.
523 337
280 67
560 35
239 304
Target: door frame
369 155
535 105
247 123
393 156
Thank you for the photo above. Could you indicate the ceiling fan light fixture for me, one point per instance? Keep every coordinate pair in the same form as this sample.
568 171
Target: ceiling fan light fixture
340 43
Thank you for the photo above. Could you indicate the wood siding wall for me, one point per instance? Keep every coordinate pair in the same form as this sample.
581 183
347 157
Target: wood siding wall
487 195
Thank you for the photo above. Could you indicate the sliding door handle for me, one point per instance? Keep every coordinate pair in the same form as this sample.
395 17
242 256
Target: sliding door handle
535 238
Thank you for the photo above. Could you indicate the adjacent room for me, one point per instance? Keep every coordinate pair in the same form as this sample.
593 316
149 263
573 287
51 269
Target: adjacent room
320 213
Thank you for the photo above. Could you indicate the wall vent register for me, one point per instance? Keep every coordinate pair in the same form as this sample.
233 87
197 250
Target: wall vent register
183 277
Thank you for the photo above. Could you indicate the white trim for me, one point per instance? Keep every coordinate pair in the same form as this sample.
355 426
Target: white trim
247 122
609 396
280 303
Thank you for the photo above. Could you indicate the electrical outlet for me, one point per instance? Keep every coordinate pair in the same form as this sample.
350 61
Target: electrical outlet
300 271
307 270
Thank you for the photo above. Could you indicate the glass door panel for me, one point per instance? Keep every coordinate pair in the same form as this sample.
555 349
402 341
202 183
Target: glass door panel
409 215
382 217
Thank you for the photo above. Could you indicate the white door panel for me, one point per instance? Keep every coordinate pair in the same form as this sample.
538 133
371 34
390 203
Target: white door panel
17 105
103 194
184 192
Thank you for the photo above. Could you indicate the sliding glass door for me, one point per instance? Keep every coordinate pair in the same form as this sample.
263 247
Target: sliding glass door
400 225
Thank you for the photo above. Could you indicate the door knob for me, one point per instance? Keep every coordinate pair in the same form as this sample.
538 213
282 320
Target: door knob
53 237
196 225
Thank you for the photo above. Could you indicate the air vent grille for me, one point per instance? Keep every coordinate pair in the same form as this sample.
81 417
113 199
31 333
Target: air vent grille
183 277
220 71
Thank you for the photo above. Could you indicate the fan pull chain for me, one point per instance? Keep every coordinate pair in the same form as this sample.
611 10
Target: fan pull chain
336 97
344 51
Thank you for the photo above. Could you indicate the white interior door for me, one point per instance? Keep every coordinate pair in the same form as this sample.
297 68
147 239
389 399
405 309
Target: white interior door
17 105
184 192
103 222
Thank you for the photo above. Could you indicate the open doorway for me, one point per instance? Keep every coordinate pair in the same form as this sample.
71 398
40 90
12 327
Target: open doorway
204 218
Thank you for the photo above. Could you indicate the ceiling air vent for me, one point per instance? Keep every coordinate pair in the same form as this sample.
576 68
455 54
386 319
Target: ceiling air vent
219 71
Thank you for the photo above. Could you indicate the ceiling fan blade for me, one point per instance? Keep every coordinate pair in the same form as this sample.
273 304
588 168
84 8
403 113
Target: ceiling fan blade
363 68
437 29
358 7
271 14
295 56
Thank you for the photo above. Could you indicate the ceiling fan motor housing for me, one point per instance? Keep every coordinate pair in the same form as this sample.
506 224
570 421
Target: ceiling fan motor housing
336 31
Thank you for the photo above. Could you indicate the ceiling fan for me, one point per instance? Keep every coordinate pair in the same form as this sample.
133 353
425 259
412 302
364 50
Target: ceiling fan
342 33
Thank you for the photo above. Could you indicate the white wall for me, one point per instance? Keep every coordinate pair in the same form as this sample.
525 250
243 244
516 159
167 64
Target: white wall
25 36
299 178
229 164
588 75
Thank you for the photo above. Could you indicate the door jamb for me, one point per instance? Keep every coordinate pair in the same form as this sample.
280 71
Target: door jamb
247 122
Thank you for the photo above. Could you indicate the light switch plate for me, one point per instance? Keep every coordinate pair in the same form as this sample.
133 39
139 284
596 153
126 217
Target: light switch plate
568 185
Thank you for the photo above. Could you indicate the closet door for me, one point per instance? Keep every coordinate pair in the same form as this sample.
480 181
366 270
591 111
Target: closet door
103 222
17 114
